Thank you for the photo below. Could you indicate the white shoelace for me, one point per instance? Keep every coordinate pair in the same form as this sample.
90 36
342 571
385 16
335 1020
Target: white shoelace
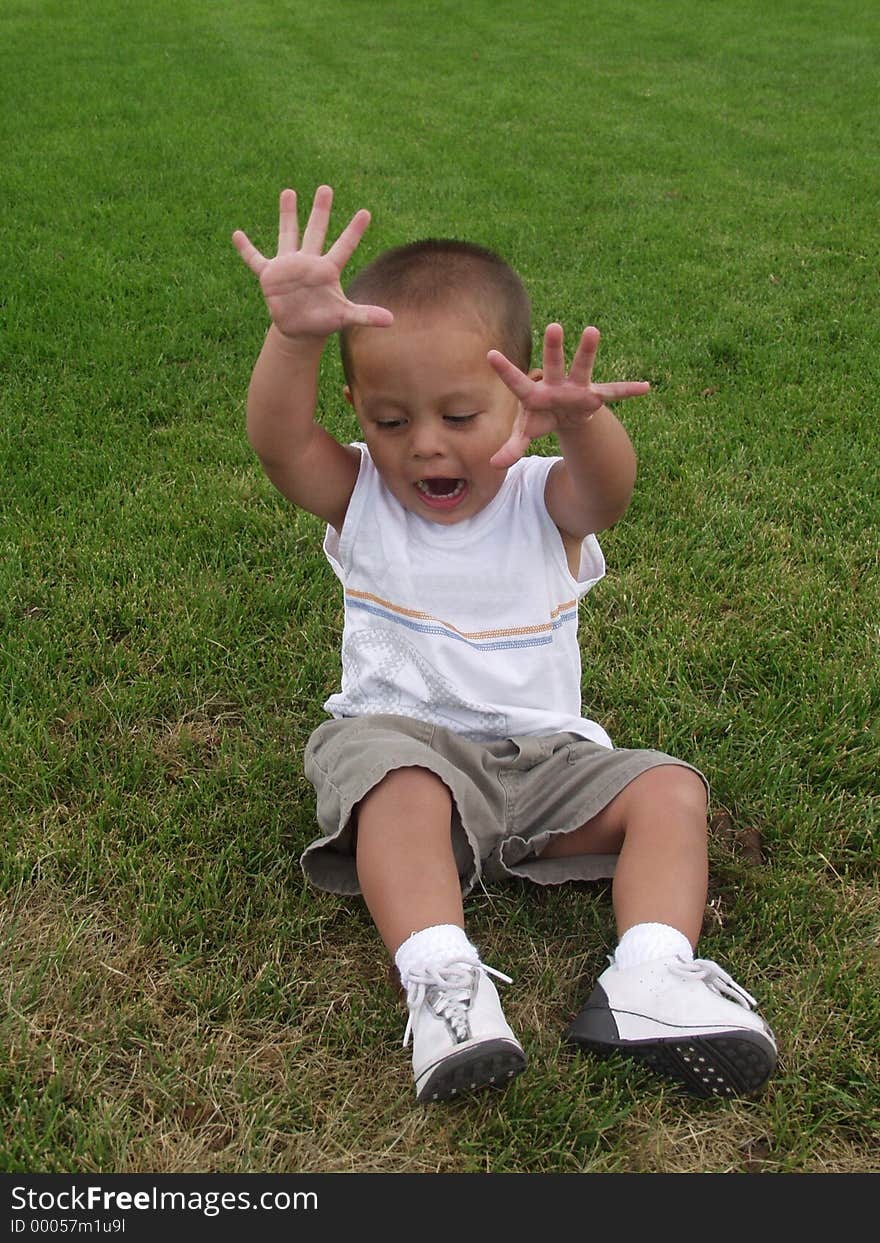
453 984
713 977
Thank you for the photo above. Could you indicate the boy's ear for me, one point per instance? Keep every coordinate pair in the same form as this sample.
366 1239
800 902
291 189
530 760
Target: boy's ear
346 393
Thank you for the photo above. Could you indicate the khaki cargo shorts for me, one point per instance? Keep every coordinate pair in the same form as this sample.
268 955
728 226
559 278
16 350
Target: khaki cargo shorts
510 796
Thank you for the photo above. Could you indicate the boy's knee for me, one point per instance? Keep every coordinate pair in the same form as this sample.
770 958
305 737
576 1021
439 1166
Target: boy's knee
676 787
407 804
408 786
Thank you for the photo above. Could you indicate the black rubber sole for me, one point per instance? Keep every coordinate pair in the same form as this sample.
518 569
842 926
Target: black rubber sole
725 1064
491 1064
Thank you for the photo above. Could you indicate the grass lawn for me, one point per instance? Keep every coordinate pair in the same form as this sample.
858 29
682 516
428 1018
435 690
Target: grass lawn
699 180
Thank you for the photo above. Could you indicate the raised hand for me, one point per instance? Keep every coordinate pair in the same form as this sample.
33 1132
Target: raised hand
556 401
301 284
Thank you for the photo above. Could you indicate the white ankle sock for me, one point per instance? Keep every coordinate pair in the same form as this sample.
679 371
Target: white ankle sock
645 942
434 946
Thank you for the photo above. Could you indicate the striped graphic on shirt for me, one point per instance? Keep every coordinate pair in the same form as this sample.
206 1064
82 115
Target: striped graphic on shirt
483 640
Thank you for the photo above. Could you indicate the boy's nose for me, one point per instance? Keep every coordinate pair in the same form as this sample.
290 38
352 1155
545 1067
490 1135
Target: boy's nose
426 442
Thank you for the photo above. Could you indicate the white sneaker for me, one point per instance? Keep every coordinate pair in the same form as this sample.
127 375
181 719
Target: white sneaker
687 1020
461 1040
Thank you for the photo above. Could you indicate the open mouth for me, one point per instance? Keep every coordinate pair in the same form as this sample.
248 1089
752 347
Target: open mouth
442 493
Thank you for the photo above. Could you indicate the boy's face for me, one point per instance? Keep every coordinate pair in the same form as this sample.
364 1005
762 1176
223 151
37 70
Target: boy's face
432 412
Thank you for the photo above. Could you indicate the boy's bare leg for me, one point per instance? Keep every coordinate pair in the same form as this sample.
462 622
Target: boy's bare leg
405 864
658 824
408 876
688 1020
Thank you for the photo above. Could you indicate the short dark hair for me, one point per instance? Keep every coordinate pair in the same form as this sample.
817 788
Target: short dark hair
441 272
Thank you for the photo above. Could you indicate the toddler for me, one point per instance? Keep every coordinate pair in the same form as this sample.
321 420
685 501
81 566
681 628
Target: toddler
456 748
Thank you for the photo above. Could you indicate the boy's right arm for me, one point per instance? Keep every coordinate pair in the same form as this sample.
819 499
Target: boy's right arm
305 299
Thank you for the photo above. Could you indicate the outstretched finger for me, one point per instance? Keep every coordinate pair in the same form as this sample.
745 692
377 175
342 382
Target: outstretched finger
360 315
248 251
512 450
617 392
517 381
585 356
349 239
554 355
319 218
288 225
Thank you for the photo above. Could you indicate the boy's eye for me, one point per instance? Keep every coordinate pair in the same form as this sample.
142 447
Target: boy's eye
459 420
388 424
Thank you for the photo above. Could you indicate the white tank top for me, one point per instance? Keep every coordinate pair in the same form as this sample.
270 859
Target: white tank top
471 626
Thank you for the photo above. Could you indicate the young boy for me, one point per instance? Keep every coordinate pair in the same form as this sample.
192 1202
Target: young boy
457 748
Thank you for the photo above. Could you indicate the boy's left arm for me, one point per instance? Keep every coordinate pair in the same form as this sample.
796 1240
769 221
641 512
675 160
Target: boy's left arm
592 485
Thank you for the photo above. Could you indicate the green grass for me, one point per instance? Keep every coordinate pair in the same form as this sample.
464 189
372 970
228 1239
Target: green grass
697 178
